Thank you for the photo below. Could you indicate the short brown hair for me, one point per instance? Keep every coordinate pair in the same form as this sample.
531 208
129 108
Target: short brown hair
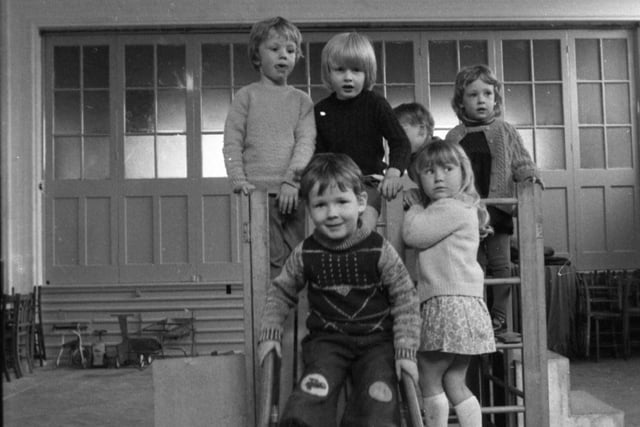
328 169
262 30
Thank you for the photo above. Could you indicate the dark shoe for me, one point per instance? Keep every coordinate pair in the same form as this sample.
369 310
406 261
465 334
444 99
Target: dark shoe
499 325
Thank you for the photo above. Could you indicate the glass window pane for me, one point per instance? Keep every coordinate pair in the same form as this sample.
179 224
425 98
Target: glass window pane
96 158
591 148
400 62
590 104
299 74
172 110
66 67
527 140
315 53
171 66
443 114
473 52
614 52
96 111
587 59
550 153
318 93
172 156
67 158
212 158
139 63
139 155
516 57
96 66
397 95
619 148
617 103
140 111
546 60
216 65
377 48
215 105
549 105
518 104
443 63
243 72
66 117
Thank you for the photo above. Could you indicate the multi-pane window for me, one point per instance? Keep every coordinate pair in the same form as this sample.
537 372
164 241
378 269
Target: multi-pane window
134 131
533 98
155 142
604 100
446 57
81 120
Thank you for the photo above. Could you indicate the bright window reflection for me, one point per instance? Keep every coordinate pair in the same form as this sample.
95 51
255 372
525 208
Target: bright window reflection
139 157
172 156
212 159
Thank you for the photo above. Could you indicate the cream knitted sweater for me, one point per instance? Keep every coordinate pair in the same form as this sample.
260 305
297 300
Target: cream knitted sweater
269 134
446 236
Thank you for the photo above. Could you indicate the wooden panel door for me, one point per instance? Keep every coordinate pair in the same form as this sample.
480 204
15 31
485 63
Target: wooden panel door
606 153
535 101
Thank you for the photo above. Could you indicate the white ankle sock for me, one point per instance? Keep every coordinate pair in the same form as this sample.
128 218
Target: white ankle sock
469 412
436 410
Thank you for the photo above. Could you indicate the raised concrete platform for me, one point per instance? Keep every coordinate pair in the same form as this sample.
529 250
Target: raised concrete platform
200 391
574 408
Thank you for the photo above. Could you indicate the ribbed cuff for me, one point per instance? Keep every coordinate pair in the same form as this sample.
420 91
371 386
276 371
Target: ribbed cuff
270 335
406 353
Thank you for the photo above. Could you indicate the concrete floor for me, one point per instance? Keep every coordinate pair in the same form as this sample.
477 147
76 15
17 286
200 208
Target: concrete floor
57 397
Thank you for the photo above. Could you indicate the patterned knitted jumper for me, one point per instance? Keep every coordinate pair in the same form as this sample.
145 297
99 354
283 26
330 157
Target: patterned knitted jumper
357 127
269 134
357 287
510 160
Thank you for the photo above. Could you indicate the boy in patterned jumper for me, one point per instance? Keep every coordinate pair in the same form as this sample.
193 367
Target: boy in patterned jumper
364 319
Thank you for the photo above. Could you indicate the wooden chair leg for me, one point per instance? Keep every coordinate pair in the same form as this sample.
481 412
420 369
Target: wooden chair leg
588 339
597 340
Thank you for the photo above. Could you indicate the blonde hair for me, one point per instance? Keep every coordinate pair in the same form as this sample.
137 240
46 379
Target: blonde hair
352 50
468 75
261 31
441 153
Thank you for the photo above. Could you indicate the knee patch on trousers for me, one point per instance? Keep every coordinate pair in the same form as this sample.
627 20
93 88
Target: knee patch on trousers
315 384
380 391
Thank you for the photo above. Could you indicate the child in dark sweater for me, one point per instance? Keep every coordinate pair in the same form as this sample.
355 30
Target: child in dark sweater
363 308
354 120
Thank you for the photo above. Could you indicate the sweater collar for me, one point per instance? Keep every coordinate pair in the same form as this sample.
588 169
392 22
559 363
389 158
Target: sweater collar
472 123
348 101
358 236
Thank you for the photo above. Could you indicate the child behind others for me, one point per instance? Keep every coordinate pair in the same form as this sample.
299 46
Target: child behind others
363 320
418 124
269 133
446 229
354 119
